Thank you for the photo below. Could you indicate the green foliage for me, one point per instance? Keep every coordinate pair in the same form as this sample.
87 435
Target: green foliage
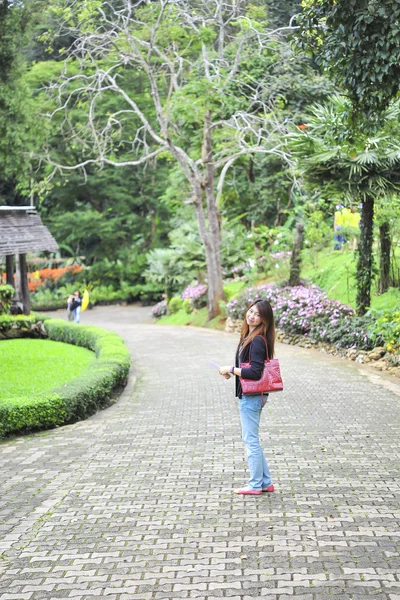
28 413
348 332
175 304
20 322
358 45
165 270
233 288
187 306
387 328
6 294
80 397
337 159
20 124
318 233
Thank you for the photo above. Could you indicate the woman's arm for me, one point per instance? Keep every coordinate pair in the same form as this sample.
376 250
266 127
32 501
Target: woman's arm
231 369
258 355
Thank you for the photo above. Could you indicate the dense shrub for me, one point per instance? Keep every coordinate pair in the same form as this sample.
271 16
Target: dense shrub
387 328
53 299
6 294
160 309
187 307
17 326
307 310
175 304
80 397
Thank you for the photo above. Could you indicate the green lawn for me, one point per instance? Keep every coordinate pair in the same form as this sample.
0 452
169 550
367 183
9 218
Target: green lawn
196 319
334 271
30 367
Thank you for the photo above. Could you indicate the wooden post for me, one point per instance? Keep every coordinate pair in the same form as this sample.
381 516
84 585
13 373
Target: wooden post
10 270
23 291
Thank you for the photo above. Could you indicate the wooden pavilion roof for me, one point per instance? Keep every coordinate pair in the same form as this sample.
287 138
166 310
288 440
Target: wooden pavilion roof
22 231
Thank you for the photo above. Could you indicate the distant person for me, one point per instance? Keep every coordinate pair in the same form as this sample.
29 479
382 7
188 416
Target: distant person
339 239
258 333
74 306
70 310
354 224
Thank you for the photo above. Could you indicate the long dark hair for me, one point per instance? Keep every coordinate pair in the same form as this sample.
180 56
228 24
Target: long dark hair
266 328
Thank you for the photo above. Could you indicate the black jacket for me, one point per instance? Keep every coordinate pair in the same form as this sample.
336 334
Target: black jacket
75 303
258 352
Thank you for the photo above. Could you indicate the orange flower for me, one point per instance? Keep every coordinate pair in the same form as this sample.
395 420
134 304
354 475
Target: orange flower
34 282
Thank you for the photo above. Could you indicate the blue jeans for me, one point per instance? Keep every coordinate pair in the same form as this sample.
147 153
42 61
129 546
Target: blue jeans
250 408
77 314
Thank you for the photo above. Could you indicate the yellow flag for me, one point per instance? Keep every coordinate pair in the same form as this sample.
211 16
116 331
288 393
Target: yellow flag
85 300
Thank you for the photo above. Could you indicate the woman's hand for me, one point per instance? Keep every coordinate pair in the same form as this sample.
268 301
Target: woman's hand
225 372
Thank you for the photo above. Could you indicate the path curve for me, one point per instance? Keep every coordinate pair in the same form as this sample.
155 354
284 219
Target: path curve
136 502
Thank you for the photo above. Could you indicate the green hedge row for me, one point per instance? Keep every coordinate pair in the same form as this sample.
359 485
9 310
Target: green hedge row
82 396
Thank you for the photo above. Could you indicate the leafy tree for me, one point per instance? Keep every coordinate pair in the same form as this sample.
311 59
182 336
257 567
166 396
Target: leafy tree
198 105
165 270
280 13
18 128
358 44
339 161
113 218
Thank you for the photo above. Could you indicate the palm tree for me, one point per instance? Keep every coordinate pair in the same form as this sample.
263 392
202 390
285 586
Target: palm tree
337 155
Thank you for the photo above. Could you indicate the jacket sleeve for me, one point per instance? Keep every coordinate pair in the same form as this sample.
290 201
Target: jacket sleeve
258 355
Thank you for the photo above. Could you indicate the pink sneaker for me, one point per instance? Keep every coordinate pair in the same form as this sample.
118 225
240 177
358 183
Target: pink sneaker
248 492
270 488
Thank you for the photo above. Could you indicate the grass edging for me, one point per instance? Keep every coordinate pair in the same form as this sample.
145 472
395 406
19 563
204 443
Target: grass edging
82 396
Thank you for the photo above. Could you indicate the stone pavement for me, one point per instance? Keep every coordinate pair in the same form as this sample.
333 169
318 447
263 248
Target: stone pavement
137 503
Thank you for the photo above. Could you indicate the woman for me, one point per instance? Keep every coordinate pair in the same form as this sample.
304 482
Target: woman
258 332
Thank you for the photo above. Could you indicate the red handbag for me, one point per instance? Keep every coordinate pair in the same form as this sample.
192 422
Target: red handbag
270 381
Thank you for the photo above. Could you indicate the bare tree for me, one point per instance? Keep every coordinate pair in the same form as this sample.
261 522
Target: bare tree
190 54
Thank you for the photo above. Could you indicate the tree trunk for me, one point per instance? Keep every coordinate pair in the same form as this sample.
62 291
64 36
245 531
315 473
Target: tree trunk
365 259
295 259
10 270
24 289
384 263
212 237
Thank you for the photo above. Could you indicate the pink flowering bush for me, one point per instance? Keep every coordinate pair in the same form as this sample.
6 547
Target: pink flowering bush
307 310
196 293
160 309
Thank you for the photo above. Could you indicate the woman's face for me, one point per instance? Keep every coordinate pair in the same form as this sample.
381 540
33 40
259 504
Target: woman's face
253 317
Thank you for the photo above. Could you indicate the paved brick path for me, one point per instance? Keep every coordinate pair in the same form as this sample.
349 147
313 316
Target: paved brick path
137 503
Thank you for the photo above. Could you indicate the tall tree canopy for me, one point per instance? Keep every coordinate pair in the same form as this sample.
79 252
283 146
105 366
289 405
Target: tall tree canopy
358 43
336 161
16 108
204 101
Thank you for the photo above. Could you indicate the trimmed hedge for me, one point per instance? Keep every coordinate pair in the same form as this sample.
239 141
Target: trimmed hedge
82 396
